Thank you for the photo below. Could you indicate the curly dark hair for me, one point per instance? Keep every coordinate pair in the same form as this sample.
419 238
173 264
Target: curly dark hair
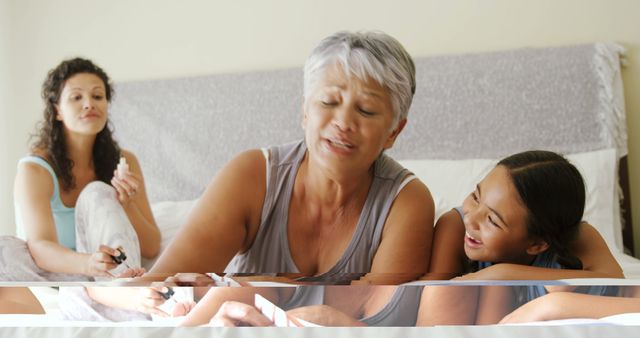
553 193
50 134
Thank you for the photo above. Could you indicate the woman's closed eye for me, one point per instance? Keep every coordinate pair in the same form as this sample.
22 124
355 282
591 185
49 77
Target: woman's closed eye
366 112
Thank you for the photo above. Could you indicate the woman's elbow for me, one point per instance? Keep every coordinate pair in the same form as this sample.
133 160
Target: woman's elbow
37 249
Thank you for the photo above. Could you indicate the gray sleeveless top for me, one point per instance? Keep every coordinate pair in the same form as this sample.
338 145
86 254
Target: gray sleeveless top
270 252
400 310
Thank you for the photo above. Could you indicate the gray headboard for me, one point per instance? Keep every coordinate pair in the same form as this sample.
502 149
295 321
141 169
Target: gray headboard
566 99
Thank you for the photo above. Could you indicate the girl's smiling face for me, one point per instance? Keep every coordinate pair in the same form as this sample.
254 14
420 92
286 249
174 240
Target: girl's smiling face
495 220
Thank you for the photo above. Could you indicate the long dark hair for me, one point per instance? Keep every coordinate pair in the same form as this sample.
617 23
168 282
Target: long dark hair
553 193
50 134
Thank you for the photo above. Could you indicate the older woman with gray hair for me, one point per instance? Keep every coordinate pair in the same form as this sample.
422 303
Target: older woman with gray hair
333 206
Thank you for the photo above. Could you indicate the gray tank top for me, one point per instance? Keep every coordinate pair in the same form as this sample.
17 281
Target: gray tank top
400 310
270 252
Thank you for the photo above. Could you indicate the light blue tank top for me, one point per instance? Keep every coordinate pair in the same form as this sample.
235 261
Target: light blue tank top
63 216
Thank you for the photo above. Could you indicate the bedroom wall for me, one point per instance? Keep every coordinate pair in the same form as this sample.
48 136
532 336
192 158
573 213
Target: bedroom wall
152 39
6 174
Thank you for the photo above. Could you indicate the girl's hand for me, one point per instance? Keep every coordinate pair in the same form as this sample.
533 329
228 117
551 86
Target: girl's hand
100 262
148 299
233 314
126 186
541 308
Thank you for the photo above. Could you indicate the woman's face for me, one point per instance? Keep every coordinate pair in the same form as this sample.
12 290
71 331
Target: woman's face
348 122
82 107
495 222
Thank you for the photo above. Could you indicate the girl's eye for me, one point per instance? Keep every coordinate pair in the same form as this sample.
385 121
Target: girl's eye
474 196
492 222
76 97
98 97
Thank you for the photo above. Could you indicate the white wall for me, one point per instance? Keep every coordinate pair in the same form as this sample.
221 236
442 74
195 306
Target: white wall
6 174
154 39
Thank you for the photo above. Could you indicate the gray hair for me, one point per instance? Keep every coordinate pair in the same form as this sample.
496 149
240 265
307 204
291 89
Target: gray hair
365 55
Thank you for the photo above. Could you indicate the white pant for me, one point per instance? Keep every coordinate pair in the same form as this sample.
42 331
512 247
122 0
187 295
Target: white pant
100 219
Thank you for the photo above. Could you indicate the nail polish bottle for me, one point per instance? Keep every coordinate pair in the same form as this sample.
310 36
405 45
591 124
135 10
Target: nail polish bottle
123 168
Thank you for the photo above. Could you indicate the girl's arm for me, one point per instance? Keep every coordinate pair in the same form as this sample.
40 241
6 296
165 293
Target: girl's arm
33 190
223 222
448 257
562 305
137 207
590 247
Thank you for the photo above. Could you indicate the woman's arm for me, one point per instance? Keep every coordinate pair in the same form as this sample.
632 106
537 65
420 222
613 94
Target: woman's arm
33 190
211 303
494 302
19 300
324 315
138 209
448 305
405 247
141 299
562 305
223 222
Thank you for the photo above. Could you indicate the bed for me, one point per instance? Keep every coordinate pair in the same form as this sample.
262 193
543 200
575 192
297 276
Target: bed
468 111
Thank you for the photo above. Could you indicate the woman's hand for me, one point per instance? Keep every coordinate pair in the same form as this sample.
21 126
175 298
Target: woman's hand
233 314
324 315
189 279
148 299
100 262
182 308
126 186
541 308
131 273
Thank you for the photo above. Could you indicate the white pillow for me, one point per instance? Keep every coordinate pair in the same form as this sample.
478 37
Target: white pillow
450 181
169 216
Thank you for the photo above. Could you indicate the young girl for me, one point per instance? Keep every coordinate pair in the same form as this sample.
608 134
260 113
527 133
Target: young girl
522 221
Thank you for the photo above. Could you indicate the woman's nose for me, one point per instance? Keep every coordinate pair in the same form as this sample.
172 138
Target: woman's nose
87 103
343 119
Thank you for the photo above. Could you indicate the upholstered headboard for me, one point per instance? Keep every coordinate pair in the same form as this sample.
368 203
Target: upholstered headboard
566 99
